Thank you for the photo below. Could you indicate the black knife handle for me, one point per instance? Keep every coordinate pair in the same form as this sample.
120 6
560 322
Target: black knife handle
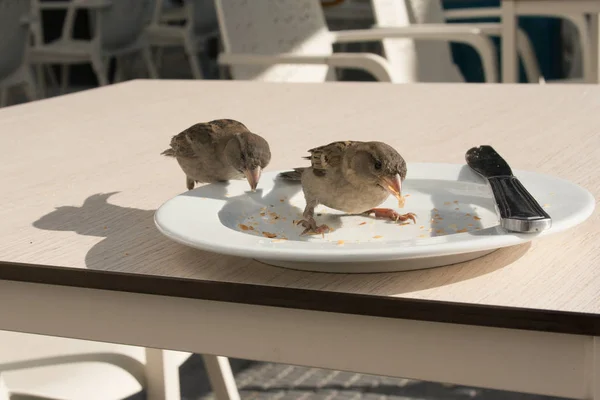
519 211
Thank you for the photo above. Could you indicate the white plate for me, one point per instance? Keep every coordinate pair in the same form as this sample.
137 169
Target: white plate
456 222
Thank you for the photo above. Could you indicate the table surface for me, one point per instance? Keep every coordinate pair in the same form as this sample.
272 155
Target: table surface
82 176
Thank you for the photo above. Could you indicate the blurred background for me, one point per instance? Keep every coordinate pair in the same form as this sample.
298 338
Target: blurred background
51 47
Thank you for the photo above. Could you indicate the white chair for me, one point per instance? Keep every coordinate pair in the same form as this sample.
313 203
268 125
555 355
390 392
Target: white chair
288 40
15 17
587 50
199 25
45 367
431 61
117 30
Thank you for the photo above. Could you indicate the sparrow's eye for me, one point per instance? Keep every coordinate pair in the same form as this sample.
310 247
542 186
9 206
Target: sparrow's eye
378 165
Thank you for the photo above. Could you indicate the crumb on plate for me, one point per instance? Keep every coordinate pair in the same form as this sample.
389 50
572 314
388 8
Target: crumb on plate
363 223
377 237
244 227
476 218
269 234
340 242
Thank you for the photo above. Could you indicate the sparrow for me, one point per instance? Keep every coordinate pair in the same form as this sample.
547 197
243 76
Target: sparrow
219 150
350 176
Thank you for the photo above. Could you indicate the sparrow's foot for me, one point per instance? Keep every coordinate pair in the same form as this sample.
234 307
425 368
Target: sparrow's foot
311 227
391 214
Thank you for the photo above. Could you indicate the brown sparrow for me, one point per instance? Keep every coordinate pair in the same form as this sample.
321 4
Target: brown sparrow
218 151
353 177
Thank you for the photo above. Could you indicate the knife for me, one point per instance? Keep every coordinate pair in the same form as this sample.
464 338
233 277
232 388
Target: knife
519 211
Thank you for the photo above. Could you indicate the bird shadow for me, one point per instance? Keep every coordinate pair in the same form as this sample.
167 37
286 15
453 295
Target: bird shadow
131 243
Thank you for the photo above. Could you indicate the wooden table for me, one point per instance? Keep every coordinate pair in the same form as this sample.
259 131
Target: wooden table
80 256
580 8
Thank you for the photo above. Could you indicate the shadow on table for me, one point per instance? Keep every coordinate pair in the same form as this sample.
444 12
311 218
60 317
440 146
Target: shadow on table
132 243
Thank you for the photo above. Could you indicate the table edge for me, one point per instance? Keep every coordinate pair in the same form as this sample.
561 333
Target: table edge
308 299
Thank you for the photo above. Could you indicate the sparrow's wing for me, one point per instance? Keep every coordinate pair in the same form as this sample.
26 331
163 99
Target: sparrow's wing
330 156
228 126
202 135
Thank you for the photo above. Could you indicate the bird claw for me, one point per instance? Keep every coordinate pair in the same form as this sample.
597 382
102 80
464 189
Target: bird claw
312 228
391 214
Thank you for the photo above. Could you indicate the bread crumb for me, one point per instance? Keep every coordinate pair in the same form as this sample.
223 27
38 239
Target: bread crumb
407 195
363 223
269 235
546 205
340 242
476 218
440 231
467 215
377 237
461 230
422 236
278 240
244 227
447 203
457 208
470 225
421 227
105 227
282 200
401 201
455 201
435 209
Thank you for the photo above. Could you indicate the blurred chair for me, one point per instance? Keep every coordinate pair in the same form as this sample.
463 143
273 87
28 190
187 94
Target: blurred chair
45 367
199 25
431 61
118 29
15 18
288 40
588 52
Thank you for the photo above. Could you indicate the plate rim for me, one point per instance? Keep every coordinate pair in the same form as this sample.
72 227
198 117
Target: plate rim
479 243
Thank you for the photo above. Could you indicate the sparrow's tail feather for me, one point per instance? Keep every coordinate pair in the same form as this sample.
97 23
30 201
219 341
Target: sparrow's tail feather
168 153
295 175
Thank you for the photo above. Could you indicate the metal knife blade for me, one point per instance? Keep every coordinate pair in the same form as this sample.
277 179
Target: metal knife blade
518 209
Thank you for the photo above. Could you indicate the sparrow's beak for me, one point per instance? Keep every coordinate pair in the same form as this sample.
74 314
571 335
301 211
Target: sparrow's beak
392 184
253 175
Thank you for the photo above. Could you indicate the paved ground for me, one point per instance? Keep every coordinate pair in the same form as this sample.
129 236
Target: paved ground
262 381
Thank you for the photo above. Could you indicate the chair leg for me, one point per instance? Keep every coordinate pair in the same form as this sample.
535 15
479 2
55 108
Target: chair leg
30 87
4 393
162 376
100 70
118 70
221 378
194 65
147 56
41 80
64 78
3 97
158 57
